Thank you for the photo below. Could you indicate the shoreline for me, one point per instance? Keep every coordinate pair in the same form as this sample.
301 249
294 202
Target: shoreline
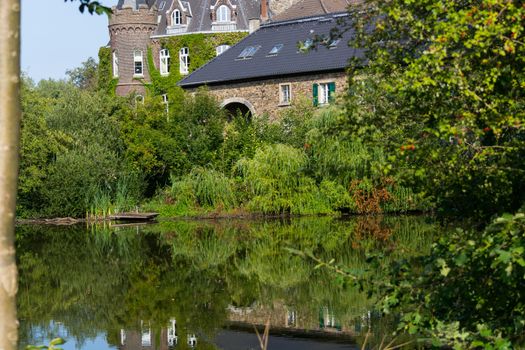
68 221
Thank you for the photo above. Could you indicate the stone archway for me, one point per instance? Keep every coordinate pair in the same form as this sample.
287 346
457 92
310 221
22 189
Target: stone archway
237 105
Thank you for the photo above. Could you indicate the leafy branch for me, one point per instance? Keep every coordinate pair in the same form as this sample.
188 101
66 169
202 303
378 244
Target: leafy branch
93 7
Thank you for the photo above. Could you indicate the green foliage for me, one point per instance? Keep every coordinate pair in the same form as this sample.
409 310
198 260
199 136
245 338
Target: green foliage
201 48
240 140
337 157
72 152
294 122
151 147
184 269
199 127
52 345
38 146
204 187
92 7
85 77
444 92
276 184
106 82
468 292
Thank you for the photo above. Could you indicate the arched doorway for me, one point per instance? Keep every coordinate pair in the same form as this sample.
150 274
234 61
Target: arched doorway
236 106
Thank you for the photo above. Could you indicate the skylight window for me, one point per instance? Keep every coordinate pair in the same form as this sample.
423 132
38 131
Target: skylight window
334 43
306 45
248 52
275 50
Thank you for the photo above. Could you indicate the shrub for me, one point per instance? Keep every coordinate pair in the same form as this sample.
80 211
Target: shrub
468 292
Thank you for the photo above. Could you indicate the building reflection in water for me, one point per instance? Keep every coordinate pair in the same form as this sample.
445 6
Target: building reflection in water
147 339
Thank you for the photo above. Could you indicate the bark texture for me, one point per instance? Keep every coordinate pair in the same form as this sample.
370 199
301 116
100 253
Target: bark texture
9 141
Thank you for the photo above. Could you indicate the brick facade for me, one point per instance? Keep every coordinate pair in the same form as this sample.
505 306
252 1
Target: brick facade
263 96
130 30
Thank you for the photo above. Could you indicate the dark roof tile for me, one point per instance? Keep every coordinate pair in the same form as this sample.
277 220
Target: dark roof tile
227 67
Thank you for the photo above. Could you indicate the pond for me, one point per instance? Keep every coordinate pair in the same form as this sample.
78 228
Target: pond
206 284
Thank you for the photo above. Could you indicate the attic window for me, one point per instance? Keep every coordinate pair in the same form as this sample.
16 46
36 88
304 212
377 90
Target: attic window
275 50
176 17
223 14
248 52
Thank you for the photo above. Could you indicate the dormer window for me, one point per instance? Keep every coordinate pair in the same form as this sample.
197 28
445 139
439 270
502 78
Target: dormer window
176 17
224 14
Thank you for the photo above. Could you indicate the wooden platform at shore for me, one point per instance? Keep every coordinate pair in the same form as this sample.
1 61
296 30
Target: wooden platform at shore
133 216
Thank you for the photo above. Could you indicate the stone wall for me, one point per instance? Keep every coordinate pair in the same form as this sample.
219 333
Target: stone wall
130 30
264 96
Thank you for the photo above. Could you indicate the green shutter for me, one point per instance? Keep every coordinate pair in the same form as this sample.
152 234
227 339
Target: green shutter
331 92
316 94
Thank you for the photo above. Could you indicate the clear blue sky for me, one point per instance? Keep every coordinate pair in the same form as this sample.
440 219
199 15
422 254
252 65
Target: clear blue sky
56 37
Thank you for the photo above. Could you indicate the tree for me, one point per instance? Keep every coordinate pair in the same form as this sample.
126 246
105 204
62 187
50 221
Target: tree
9 144
85 77
447 81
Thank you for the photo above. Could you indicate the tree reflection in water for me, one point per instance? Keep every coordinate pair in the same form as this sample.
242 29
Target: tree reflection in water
132 283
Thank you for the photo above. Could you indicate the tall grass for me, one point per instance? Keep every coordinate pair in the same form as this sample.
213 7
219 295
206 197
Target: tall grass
104 202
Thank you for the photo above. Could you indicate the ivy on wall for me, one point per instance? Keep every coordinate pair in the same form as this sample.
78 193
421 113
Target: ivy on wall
201 50
106 82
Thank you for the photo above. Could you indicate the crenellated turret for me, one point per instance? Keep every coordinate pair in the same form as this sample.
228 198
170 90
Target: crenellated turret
130 28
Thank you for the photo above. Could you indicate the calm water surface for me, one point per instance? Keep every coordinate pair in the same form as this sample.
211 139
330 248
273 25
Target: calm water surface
205 284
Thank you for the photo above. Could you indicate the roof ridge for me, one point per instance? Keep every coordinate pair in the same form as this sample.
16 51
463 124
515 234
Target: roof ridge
304 19
323 6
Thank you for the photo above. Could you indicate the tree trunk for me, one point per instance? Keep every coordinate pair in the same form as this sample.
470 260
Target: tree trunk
9 140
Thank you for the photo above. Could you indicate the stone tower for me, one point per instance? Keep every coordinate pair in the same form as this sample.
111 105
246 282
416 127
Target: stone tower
130 27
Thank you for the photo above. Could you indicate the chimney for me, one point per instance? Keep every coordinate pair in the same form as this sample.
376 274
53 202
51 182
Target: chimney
264 10
254 24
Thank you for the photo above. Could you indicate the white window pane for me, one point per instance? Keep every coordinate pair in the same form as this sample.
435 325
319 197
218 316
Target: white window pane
184 60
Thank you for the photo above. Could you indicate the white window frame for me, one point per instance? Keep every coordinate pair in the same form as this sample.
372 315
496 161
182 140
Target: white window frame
285 94
224 14
138 62
115 64
176 17
164 62
184 60
166 103
221 49
172 333
323 94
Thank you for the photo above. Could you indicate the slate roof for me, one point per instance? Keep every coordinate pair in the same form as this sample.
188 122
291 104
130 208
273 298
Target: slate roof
200 14
227 67
306 8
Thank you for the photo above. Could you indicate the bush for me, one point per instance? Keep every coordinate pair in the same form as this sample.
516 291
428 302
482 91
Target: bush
469 291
